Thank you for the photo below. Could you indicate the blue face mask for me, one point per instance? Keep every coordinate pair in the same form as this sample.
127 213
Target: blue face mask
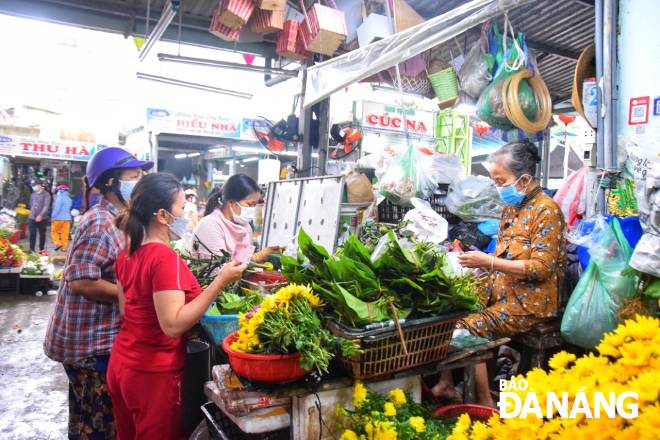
126 188
510 195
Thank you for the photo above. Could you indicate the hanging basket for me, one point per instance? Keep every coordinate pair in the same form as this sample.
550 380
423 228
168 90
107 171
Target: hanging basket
445 84
419 85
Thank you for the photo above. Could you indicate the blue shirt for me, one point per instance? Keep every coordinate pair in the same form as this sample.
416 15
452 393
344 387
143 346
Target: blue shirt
62 207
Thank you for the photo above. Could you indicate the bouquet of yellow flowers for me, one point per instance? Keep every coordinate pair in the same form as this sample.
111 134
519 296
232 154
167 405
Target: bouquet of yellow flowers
392 417
288 321
595 393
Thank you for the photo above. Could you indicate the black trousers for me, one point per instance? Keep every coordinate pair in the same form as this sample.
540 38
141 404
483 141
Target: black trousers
35 227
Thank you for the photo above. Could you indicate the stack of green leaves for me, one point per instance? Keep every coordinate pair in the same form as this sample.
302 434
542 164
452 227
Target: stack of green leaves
401 283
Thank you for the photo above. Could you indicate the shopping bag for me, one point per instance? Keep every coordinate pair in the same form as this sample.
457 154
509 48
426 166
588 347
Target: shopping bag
406 177
235 13
220 30
474 199
424 223
569 196
267 22
324 28
593 307
289 42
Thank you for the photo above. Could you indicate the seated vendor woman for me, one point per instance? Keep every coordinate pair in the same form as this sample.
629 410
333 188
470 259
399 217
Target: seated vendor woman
525 271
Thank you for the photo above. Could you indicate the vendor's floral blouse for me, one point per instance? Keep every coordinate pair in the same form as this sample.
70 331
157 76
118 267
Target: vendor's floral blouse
534 233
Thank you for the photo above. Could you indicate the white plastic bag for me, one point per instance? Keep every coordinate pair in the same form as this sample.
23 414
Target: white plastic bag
425 223
474 199
446 168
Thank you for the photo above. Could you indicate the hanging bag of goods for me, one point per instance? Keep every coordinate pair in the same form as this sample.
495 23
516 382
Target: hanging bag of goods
220 30
266 21
324 28
271 5
511 55
235 13
289 42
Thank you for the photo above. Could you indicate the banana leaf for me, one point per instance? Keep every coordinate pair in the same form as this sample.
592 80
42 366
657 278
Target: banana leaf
315 253
355 250
360 312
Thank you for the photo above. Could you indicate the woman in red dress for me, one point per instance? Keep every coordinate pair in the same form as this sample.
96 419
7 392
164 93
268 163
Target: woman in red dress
160 300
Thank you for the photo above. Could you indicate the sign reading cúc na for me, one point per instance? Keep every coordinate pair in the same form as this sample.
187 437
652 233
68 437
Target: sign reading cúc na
390 118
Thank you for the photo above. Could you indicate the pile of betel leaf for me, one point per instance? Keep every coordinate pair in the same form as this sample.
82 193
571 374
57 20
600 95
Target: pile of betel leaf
406 283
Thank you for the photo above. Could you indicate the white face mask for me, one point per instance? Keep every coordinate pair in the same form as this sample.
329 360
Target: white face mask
245 216
179 227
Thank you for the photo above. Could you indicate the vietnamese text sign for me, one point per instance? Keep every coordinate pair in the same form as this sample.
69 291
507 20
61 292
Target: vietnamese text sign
44 149
167 121
390 118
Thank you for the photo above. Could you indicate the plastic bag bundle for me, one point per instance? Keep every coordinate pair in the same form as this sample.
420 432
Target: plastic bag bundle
475 73
474 199
406 177
426 224
490 107
646 257
593 307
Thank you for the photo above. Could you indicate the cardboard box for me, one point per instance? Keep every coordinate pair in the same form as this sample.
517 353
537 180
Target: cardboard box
375 27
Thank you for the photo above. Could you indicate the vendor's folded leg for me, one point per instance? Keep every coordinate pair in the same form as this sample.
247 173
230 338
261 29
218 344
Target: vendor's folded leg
493 322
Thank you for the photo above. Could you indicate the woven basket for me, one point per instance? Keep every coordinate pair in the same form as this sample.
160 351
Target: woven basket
476 412
419 84
585 68
427 341
445 84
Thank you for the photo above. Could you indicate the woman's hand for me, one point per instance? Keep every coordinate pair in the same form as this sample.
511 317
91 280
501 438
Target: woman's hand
262 255
231 272
475 260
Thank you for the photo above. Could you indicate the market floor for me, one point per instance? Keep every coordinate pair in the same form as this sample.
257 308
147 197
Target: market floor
33 389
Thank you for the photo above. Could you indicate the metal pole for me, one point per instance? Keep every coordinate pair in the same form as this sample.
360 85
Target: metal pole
390 14
607 66
545 158
612 35
600 132
324 135
304 162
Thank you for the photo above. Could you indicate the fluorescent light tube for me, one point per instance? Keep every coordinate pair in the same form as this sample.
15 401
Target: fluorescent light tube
180 83
225 65
249 149
194 154
250 159
169 11
180 156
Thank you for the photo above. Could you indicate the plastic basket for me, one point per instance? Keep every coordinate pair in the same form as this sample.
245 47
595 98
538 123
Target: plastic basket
219 326
389 212
427 341
445 84
476 412
222 428
31 284
9 282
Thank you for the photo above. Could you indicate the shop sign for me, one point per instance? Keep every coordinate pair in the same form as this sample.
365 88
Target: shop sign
194 124
390 118
638 110
41 149
247 133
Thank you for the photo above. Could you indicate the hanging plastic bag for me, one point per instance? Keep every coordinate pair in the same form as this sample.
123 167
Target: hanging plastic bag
406 177
570 194
426 224
511 55
446 168
593 307
474 199
646 257
476 72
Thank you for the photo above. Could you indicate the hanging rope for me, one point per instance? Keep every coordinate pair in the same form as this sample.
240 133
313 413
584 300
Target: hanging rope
521 58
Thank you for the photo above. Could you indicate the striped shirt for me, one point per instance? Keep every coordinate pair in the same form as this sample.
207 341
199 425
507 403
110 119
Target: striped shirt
80 328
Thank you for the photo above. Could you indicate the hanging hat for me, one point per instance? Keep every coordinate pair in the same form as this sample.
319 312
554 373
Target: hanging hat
585 68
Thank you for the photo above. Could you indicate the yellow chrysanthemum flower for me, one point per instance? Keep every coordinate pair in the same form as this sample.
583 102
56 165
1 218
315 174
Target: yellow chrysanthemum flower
479 432
389 410
561 360
348 435
398 397
359 394
418 423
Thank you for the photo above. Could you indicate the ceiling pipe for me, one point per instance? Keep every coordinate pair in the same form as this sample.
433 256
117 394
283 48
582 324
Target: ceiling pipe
224 64
169 11
204 87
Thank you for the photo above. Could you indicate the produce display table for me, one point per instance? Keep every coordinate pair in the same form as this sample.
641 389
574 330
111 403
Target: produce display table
307 408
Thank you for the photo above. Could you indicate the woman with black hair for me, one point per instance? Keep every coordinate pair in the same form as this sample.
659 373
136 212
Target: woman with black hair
226 225
160 300
86 318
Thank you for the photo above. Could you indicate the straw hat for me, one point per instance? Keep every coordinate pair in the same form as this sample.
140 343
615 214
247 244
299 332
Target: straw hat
585 68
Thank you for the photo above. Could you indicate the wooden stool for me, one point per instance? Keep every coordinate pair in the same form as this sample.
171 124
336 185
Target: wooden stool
542 337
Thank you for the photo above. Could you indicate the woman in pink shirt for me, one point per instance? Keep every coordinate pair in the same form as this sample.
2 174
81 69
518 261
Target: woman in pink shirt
226 225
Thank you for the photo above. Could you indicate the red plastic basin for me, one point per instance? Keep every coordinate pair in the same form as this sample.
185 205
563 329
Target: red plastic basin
269 368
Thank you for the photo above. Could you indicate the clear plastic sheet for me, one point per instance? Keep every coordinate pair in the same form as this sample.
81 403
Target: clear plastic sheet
339 72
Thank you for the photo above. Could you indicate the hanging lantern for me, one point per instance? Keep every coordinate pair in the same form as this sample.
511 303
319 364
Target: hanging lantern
566 119
481 128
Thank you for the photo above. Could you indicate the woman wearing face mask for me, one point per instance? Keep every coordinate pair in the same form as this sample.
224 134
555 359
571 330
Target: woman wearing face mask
160 301
226 225
86 318
526 269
